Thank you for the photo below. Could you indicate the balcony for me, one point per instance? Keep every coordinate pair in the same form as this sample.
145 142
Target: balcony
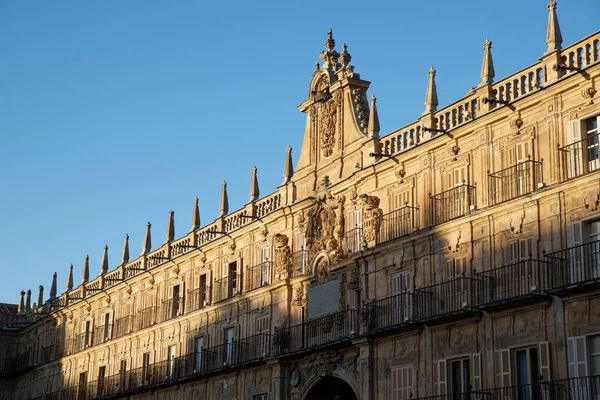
581 157
574 267
455 297
299 265
352 241
197 299
396 311
585 388
514 283
398 223
171 308
225 288
123 326
78 343
453 203
258 276
316 333
102 333
512 182
145 318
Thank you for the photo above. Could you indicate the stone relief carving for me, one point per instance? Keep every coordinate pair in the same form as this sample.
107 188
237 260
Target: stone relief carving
325 225
283 255
322 364
299 298
354 282
372 216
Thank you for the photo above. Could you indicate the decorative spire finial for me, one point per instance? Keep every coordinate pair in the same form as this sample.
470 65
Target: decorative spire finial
196 215
170 235
40 297
85 276
53 287
317 65
21 308
288 167
345 57
330 56
373 128
487 66
431 99
104 262
254 191
553 35
70 278
147 245
28 301
125 253
224 206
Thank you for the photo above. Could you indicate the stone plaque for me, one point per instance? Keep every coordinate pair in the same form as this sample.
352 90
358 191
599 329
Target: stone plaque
323 299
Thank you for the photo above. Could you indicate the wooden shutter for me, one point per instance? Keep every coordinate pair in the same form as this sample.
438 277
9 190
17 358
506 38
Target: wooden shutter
397 284
544 360
575 234
525 249
476 371
503 368
265 254
577 357
111 321
450 268
440 378
402 383
575 161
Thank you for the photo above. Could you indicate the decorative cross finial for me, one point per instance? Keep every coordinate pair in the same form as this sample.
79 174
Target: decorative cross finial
345 57
104 262
85 275
553 34
147 245
431 99
487 66
330 41
373 128
288 167
125 252
224 206
170 234
196 215
254 190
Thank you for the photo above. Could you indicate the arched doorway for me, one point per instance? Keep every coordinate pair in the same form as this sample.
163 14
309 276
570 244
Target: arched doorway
331 388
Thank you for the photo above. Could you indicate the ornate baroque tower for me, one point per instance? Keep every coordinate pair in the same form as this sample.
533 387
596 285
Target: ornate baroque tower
336 138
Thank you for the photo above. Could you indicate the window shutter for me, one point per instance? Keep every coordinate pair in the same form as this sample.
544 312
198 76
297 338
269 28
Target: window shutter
396 284
440 383
402 383
544 356
111 321
503 368
476 368
575 234
450 268
577 357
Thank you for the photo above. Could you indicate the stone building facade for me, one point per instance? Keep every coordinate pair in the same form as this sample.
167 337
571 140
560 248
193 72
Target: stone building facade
456 256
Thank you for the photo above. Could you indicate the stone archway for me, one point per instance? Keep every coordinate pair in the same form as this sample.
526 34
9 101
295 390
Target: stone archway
331 388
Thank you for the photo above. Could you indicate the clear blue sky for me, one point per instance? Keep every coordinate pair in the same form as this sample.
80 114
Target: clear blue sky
112 113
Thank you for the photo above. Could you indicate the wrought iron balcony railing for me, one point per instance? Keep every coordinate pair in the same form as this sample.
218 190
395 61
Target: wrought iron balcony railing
258 276
171 308
581 157
447 299
453 203
316 333
197 299
145 318
352 241
299 265
391 312
398 223
574 266
513 283
226 287
102 333
515 181
123 326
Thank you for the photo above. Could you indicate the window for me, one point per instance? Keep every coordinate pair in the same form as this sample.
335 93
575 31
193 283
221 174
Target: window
582 154
106 333
81 392
265 265
456 267
177 309
262 330
460 377
402 383
86 334
262 396
199 350
123 374
228 344
171 353
202 292
353 237
592 145
101 375
232 282
583 353
524 368
145 368
583 254
301 255
401 300
400 199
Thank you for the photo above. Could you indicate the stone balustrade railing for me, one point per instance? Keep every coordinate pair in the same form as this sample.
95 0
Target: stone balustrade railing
236 220
182 246
93 286
267 205
583 53
113 277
